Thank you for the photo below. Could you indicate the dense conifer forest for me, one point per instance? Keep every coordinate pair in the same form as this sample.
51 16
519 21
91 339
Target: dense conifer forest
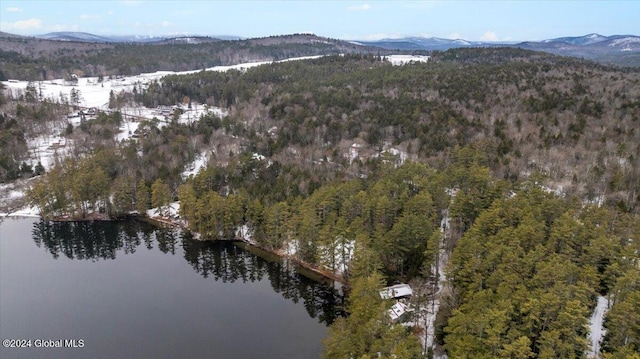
514 174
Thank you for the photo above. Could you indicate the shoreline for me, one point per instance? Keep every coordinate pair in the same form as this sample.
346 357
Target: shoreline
322 272
157 220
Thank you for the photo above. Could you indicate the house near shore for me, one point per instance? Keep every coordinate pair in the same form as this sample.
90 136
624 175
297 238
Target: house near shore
400 293
398 312
397 291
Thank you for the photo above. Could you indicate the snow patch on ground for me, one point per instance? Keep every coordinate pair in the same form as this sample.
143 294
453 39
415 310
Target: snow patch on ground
338 254
431 311
195 167
452 191
171 211
46 149
596 330
353 152
443 258
401 155
559 191
291 247
625 41
258 157
24 212
245 233
15 194
597 200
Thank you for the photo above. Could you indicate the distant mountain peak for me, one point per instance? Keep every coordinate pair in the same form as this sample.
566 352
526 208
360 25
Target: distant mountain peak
73 36
580 40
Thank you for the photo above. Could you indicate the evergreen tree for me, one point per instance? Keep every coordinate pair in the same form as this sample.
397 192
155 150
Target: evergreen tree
160 196
143 198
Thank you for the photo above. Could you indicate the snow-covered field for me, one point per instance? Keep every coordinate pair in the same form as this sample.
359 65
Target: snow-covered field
96 94
397 60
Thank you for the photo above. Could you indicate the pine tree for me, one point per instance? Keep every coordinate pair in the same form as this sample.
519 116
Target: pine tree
160 196
122 192
188 201
113 103
142 198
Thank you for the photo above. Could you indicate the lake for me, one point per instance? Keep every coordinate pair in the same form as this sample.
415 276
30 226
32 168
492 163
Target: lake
133 290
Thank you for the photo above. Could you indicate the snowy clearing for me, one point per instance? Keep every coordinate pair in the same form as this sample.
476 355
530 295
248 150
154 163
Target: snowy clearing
193 168
398 60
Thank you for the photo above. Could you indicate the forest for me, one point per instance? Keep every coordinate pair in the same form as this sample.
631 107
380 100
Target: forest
517 170
35 59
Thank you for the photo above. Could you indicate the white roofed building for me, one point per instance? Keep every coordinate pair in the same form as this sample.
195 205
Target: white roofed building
397 311
396 291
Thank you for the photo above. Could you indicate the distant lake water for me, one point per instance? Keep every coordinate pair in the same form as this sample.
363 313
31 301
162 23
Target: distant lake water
132 290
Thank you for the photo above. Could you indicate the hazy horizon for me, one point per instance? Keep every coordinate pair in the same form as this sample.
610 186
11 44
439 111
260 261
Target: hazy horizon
347 20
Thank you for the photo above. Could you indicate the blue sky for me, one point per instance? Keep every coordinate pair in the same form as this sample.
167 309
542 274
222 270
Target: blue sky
355 20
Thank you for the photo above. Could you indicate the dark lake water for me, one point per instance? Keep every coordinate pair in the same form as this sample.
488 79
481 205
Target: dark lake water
133 290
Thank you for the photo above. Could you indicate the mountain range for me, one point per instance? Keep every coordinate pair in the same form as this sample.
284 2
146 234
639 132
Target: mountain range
615 49
621 50
632 42
629 43
88 37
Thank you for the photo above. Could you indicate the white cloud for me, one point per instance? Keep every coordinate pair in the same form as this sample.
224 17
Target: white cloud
166 24
489 36
110 12
89 17
13 9
363 7
29 24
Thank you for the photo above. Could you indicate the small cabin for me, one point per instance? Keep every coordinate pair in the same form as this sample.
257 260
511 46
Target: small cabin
398 312
397 291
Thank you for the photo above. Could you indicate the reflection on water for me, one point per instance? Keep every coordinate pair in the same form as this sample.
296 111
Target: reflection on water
221 260
97 240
